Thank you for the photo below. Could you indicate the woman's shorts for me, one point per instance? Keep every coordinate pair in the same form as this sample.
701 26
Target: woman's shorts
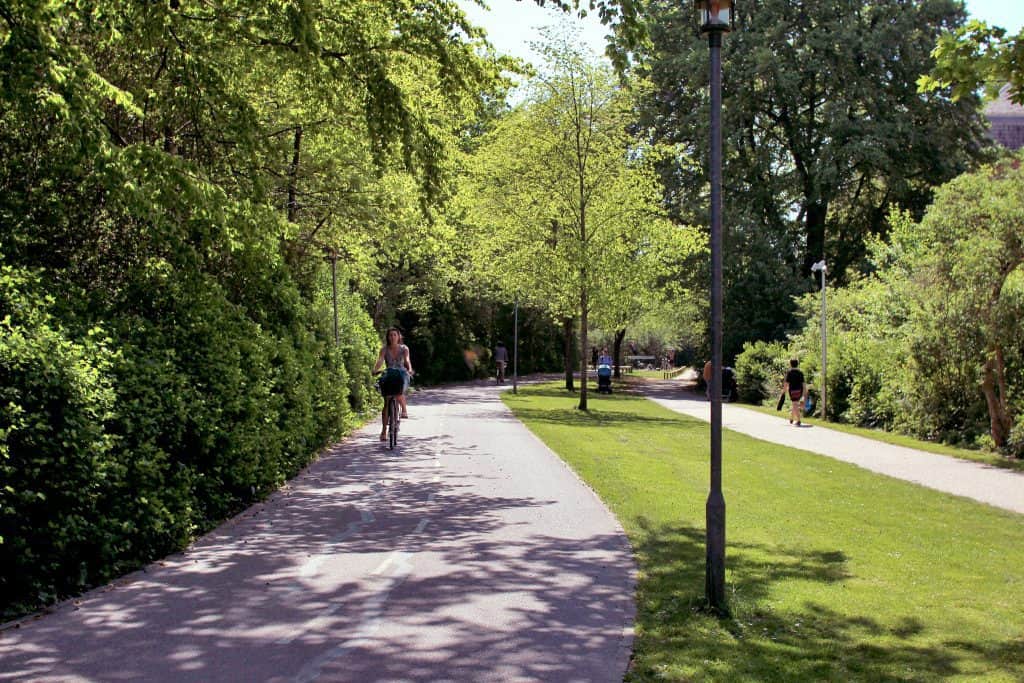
393 382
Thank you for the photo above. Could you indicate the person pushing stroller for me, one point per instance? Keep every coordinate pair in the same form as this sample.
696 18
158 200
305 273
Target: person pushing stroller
604 372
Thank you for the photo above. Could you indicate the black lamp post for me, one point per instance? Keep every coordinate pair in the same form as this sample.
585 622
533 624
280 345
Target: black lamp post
515 349
716 17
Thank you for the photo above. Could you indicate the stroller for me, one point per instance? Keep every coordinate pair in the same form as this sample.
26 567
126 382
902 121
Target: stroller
604 379
730 390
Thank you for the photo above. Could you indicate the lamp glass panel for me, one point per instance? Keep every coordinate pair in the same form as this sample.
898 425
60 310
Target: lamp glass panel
715 12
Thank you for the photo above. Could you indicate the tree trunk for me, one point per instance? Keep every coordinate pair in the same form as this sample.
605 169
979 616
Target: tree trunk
993 385
814 222
170 144
620 336
293 176
567 330
583 346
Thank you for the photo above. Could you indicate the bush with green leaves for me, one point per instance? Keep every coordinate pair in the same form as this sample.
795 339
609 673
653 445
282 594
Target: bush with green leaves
58 462
225 380
111 459
760 369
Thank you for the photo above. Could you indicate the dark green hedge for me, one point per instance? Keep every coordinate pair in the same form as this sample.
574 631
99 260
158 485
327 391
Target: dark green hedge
158 372
123 441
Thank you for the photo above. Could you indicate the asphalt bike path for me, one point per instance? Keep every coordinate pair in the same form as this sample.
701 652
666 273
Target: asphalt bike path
470 553
995 486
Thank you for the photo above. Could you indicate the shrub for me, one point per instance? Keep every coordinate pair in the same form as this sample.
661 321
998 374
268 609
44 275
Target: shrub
56 469
760 369
112 459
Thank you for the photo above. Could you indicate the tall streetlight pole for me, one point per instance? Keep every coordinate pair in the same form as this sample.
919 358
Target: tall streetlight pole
715 18
515 349
821 267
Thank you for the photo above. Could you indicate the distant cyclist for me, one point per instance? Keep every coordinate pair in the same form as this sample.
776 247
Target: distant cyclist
501 360
394 355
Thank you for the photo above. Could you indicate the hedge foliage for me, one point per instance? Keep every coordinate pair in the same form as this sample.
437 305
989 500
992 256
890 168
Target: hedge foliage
137 422
164 358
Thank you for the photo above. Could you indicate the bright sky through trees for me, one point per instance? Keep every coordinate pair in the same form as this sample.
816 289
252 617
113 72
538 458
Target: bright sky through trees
1006 13
512 24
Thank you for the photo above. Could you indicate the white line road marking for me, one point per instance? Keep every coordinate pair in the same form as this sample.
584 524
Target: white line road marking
371 620
400 565
312 565
384 565
310 568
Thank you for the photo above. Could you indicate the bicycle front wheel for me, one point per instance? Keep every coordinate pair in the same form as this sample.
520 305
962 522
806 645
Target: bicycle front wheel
392 422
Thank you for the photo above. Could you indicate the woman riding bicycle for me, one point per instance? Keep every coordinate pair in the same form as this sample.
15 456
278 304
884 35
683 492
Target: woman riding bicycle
394 355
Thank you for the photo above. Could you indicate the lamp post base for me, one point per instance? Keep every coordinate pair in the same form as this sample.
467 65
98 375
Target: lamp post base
714 577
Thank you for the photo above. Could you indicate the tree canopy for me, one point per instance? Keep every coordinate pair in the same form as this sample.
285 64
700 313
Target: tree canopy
566 206
976 56
824 130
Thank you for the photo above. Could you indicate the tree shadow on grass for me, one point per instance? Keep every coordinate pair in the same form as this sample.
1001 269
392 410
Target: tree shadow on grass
680 640
560 392
602 412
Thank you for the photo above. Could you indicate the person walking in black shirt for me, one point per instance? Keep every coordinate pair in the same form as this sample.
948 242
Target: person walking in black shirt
796 389
501 360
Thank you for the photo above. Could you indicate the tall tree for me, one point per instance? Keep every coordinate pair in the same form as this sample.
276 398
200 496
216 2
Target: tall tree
824 129
965 264
565 203
929 343
660 280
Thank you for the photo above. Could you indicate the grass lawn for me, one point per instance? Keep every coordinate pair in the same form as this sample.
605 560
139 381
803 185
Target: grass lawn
833 573
646 374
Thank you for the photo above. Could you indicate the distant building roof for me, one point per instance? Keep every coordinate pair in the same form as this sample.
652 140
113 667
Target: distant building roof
1007 120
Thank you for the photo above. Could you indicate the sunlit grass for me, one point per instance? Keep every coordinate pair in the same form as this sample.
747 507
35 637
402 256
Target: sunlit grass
647 374
833 573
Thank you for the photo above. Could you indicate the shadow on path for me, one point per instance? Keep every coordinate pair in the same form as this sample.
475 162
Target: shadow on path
370 565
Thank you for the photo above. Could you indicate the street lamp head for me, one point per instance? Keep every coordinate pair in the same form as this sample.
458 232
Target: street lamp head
819 266
715 16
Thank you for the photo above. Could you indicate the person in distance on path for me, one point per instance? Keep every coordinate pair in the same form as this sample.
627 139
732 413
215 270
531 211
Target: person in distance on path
795 387
501 360
707 375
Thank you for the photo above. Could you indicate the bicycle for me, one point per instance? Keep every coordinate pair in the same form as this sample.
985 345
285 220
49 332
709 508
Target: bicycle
394 417
391 387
